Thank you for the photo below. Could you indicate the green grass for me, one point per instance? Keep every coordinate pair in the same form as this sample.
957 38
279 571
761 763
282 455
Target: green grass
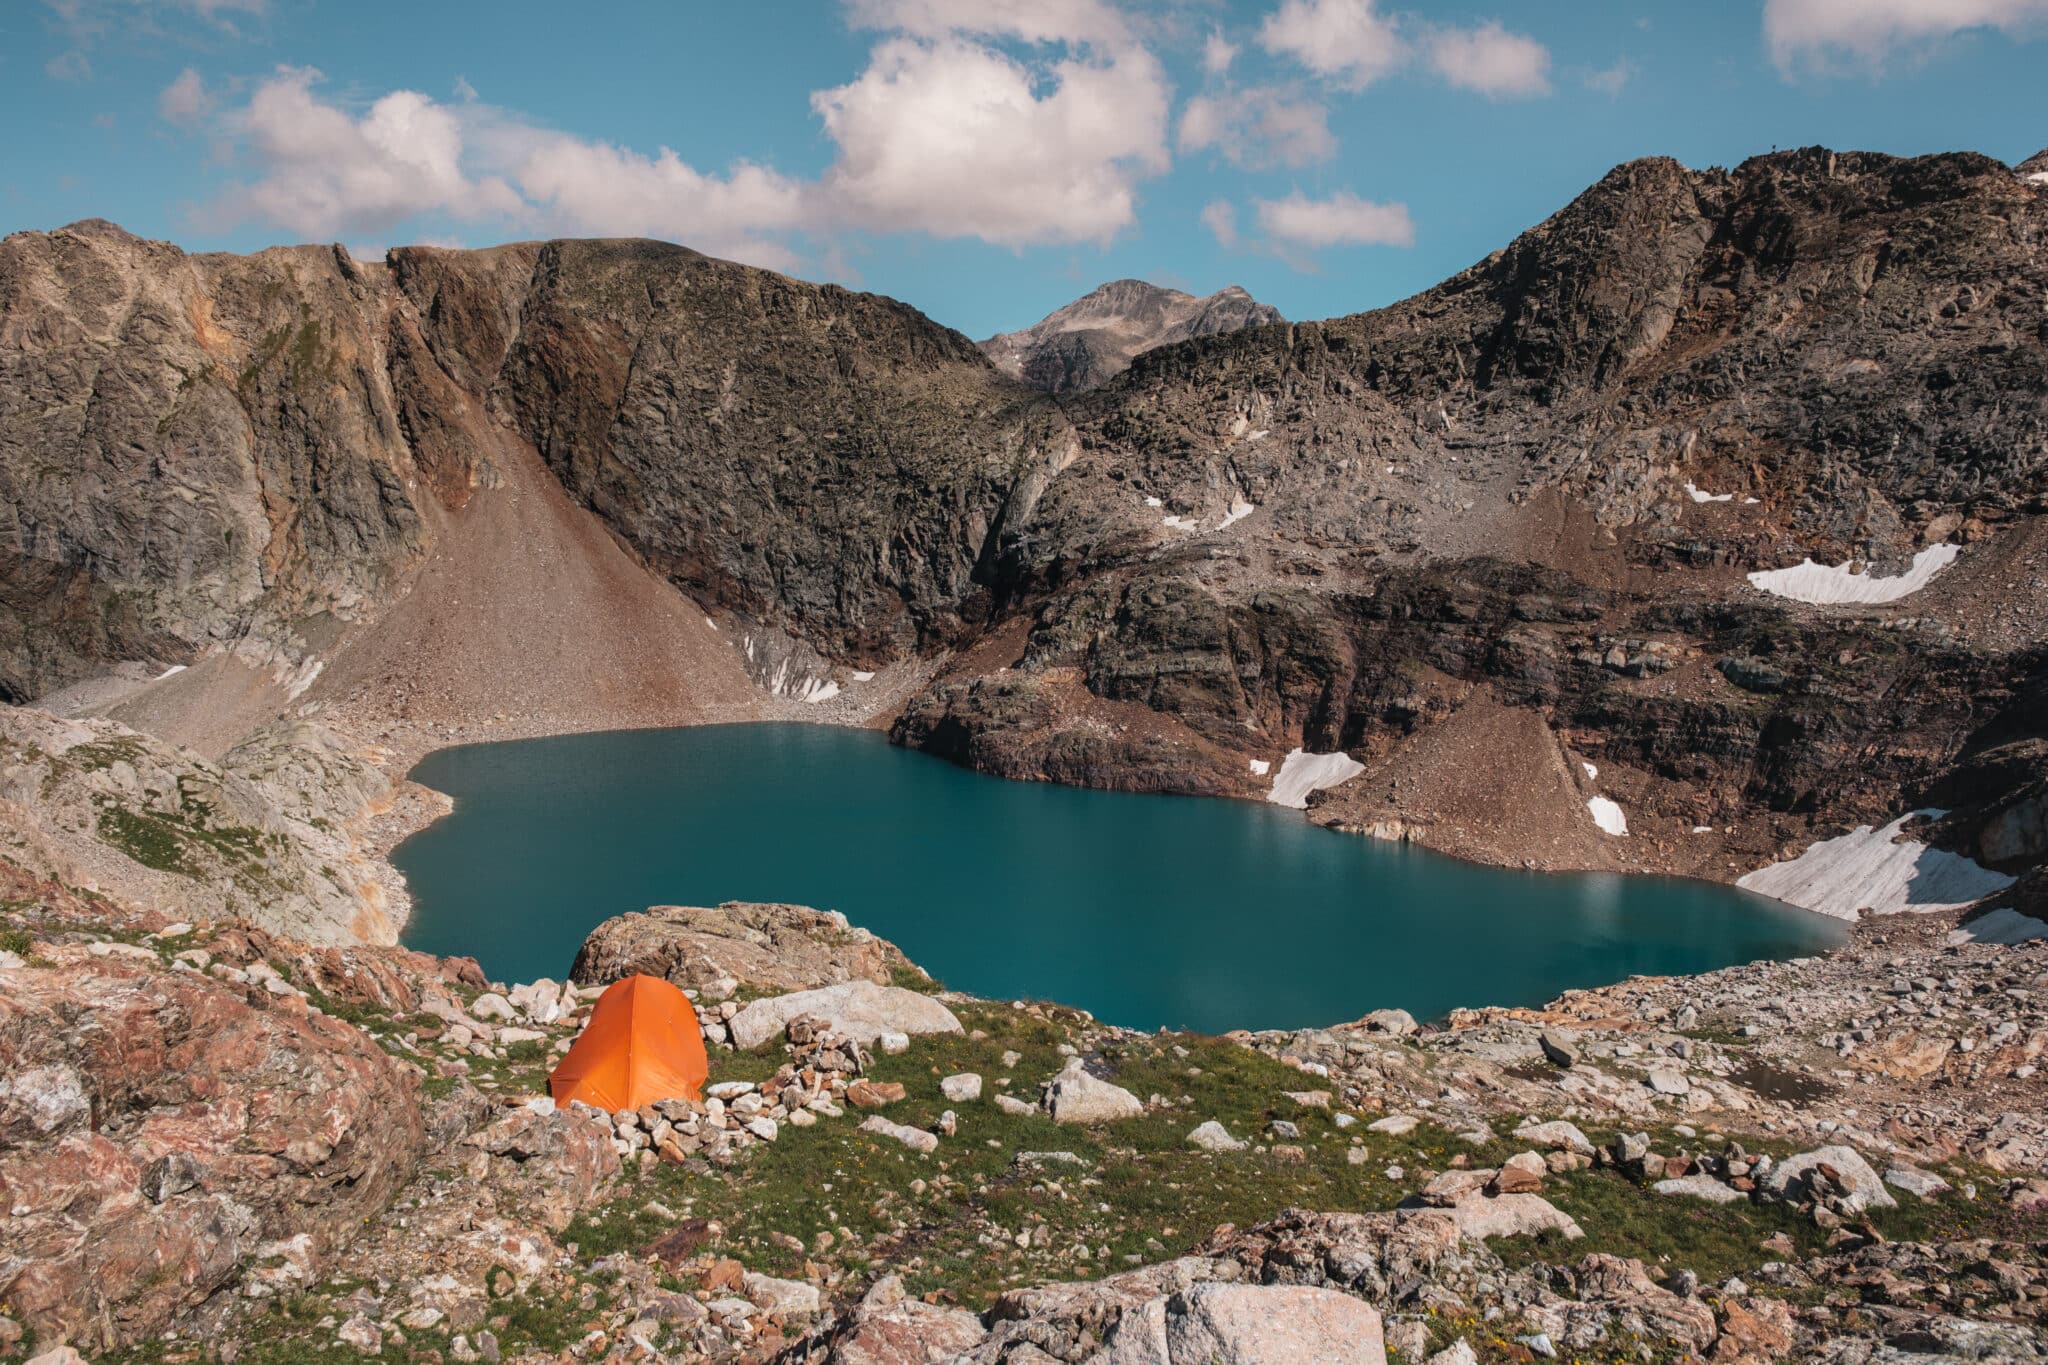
911 978
949 1221
148 839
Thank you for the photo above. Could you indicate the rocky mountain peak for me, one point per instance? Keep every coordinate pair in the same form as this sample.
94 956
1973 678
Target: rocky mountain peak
1094 338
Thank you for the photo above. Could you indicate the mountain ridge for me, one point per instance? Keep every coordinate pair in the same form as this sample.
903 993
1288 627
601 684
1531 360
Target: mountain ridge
1093 339
1538 486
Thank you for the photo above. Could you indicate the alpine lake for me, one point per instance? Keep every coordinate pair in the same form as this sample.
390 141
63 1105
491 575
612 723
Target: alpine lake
1148 911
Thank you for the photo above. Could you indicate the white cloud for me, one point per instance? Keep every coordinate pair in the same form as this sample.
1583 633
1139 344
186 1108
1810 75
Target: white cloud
324 171
1217 54
943 136
959 140
186 100
88 20
1611 81
1345 40
1491 60
1220 217
1031 21
1343 219
943 132
1258 127
1816 33
584 188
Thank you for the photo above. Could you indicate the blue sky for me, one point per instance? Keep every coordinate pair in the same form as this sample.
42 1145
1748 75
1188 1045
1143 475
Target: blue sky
985 160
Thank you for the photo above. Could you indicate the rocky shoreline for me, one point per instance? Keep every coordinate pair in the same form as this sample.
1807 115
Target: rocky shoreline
1489 1186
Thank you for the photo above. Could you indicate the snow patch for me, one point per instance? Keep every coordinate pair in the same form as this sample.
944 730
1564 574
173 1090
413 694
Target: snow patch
714 625
1699 495
1239 510
1608 816
1874 869
863 675
1302 772
1807 581
1260 767
1591 771
2000 926
818 689
1702 829
1154 502
1182 524
2038 178
173 671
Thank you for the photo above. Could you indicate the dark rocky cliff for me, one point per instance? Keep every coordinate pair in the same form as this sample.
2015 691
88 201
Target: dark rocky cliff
1538 486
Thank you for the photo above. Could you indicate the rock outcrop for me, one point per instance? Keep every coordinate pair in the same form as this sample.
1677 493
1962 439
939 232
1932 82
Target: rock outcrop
777 947
266 835
160 1128
1541 486
1094 339
859 1010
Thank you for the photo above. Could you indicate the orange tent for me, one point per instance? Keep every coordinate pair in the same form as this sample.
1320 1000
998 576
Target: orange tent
643 1043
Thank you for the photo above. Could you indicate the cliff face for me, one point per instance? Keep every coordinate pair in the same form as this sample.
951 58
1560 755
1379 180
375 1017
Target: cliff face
1094 339
828 461
1543 482
1539 487
194 451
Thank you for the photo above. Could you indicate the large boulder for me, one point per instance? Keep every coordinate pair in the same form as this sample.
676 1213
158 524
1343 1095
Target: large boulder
1853 1186
889 1328
550 1163
1075 1096
158 1128
775 947
269 833
860 1010
1244 1324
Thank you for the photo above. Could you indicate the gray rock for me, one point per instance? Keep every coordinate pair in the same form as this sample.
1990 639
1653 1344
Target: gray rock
1214 1137
917 1139
1075 1096
1400 1023
1669 1081
1914 1181
1556 1135
1560 1046
1700 1187
961 1088
861 1010
1243 1324
169 1175
782 1298
1862 1189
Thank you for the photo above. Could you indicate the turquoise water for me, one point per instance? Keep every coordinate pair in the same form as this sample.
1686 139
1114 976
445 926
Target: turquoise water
1146 910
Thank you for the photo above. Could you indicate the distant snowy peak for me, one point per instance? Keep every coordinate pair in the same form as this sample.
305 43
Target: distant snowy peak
1095 338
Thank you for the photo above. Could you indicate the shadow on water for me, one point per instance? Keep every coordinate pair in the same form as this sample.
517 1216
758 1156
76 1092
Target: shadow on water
1147 910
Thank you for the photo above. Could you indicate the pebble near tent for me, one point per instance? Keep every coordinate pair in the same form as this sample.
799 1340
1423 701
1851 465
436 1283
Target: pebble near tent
643 1043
